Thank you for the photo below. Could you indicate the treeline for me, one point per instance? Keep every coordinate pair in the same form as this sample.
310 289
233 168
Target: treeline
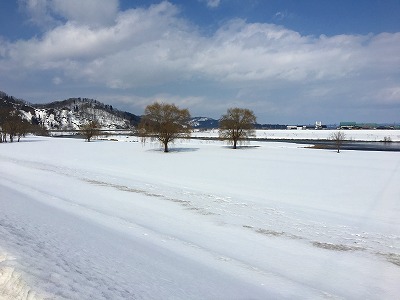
12 125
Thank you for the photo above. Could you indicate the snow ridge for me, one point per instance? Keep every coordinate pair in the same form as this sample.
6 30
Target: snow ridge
12 286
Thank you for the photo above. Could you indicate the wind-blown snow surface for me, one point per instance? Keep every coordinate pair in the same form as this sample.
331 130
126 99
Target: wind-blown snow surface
119 220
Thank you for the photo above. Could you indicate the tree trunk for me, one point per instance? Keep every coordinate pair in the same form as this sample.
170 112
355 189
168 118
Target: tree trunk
165 146
234 143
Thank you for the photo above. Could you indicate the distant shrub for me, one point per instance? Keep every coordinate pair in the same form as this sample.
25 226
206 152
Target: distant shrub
387 139
338 138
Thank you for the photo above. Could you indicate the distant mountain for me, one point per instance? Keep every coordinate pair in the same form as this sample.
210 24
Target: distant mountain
209 123
70 114
203 123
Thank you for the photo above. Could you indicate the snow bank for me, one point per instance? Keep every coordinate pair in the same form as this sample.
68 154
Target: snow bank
12 286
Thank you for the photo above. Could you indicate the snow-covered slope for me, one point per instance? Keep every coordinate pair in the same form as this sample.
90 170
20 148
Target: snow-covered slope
203 123
74 112
122 220
71 114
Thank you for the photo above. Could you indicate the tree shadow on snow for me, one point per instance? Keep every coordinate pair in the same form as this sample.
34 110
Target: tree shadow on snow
175 150
23 141
242 147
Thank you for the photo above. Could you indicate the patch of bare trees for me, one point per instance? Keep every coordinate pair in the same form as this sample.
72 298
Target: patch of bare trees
12 126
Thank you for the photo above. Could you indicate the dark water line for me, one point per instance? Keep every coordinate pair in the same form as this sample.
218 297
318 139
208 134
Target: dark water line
360 146
347 145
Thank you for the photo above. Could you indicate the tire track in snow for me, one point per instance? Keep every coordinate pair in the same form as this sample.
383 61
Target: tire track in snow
69 266
268 221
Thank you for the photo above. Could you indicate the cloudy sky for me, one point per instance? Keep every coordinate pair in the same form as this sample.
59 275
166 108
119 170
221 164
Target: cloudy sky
290 61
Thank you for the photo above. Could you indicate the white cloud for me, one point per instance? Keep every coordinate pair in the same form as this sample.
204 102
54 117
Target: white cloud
57 80
213 3
38 11
155 49
47 13
93 12
280 15
388 96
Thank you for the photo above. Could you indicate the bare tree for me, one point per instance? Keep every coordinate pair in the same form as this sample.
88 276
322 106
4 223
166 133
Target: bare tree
164 122
90 130
4 115
236 125
23 128
338 138
3 135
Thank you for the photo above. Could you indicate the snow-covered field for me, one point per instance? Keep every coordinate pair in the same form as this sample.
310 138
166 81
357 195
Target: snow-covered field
351 135
119 220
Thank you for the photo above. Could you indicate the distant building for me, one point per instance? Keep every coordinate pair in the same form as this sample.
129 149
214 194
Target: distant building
296 127
318 125
354 125
347 125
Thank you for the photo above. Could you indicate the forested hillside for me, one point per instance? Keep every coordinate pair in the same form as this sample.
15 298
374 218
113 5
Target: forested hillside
69 114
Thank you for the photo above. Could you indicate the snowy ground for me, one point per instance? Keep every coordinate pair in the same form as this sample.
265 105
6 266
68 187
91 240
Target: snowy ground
351 135
119 220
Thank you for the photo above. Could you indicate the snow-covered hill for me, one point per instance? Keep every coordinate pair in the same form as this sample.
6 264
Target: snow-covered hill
203 123
70 114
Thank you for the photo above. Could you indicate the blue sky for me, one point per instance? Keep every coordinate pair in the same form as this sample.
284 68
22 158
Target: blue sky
290 61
